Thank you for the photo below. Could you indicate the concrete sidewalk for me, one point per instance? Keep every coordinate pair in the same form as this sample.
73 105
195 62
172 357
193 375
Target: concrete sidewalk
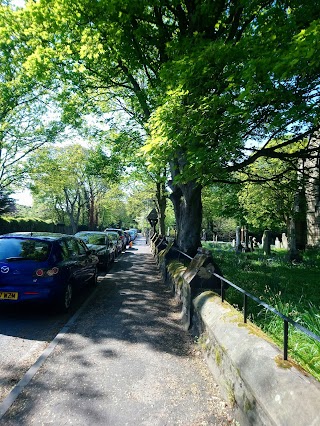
125 360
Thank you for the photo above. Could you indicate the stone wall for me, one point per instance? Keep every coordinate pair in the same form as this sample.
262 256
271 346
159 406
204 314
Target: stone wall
262 388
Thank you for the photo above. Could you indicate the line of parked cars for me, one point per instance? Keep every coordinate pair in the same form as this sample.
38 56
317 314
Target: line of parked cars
49 267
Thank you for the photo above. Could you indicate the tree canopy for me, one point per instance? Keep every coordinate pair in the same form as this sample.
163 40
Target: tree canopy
207 84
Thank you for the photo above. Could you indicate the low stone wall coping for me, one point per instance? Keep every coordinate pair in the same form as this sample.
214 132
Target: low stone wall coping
264 389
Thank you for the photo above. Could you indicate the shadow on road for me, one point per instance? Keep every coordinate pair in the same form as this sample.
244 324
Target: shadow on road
130 303
133 315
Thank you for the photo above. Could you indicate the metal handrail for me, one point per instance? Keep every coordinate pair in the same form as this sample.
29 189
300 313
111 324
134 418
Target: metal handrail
246 294
286 320
182 253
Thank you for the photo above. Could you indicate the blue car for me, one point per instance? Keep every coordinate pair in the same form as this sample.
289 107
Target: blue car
44 267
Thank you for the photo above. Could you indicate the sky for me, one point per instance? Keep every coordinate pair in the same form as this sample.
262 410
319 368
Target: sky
24 197
18 3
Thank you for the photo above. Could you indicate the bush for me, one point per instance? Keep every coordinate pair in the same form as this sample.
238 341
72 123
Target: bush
13 224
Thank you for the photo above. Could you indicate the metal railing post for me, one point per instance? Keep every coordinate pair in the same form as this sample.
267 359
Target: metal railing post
285 339
245 307
222 290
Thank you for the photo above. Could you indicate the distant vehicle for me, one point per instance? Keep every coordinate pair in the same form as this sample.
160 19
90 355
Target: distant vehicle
128 236
44 267
121 235
133 232
117 241
101 244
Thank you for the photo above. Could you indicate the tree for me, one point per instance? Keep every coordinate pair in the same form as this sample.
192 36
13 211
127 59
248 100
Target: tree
58 178
24 102
269 204
201 78
114 208
74 180
221 210
226 86
278 201
7 204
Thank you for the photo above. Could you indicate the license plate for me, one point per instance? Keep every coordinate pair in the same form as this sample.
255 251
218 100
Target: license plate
8 295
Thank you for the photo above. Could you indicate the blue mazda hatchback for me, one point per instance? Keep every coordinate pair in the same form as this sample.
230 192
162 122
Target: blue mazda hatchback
44 267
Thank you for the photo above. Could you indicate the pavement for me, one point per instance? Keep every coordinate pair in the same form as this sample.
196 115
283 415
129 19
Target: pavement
123 359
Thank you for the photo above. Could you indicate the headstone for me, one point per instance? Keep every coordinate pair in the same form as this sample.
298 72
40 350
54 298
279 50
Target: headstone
266 242
284 241
255 242
277 243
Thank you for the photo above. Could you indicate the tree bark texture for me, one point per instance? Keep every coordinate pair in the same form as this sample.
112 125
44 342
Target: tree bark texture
161 204
186 199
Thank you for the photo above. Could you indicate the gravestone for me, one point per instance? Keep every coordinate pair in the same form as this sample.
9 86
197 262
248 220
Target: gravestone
266 242
255 242
284 241
277 243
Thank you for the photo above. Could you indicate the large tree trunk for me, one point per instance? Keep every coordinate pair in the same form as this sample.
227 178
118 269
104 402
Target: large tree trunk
187 203
186 199
161 204
73 208
92 224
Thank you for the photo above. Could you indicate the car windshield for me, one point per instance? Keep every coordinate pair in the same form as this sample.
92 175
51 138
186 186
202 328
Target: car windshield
13 249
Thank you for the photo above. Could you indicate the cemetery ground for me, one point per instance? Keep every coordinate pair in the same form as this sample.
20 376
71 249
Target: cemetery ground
292 289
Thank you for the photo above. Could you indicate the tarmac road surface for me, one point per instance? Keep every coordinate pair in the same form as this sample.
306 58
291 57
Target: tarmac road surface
25 332
124 359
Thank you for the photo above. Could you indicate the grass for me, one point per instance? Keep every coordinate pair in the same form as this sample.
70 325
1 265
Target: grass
291 289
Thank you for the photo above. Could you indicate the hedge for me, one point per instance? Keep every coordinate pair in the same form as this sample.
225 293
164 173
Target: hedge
13 224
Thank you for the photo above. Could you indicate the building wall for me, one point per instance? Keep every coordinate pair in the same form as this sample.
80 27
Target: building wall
312 168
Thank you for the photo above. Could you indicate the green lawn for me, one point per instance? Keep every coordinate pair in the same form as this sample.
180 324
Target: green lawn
291 289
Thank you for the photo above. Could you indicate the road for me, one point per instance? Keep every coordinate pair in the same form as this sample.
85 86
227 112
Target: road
25 332
122 359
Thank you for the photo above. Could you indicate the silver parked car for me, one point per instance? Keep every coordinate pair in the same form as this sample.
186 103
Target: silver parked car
117 241
101 244
121 234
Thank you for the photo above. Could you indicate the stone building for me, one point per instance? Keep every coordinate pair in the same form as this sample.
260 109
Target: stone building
312 193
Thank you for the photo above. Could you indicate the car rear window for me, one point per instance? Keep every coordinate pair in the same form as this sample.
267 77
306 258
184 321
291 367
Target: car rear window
118 231
12 249
114 235
97 239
